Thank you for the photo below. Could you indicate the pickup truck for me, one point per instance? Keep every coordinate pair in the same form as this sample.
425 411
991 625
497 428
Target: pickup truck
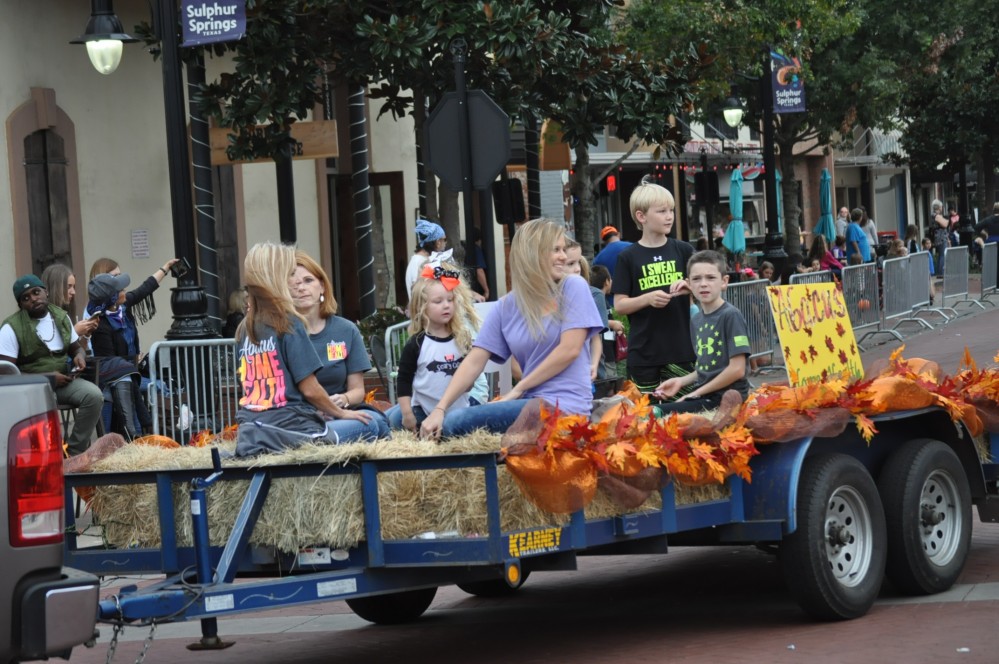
45 609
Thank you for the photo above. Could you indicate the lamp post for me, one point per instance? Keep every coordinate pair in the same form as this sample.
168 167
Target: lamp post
773 243
187 301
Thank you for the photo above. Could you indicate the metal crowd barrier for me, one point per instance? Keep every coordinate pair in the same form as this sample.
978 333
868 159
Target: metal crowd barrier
395 339
863 301
750 298
822 277
194 385
955 283
921 295
990 271
897 290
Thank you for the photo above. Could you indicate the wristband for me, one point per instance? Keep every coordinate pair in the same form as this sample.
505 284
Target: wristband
439 408
159 269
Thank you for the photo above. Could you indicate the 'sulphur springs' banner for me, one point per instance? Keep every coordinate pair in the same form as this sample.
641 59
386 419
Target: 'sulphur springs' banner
212 21
789 89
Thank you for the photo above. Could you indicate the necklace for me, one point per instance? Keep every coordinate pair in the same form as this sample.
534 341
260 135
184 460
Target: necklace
51 332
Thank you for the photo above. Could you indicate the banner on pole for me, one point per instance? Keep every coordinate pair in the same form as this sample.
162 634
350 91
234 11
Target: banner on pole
789 88
212 21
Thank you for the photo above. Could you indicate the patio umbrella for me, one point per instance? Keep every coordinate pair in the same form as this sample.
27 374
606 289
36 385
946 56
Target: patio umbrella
780 204
735 235
826 226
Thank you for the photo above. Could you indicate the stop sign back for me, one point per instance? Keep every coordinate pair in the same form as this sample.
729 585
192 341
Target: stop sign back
489 140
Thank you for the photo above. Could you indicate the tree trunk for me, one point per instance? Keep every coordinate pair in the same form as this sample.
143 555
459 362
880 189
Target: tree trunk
986 179
786 137
584 209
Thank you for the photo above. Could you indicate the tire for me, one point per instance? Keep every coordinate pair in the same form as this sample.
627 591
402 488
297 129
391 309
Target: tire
927 506
834 562
393 608
493 587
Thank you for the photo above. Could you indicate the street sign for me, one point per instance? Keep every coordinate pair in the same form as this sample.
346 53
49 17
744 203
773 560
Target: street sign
313 140
489 140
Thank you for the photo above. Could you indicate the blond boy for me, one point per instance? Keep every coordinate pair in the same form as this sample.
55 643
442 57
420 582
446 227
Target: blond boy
659 345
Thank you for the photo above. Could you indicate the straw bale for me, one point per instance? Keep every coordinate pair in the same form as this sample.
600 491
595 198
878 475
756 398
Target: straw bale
327 510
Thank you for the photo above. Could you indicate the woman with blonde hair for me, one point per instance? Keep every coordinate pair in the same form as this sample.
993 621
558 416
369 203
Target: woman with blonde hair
545 323
340 348
283 404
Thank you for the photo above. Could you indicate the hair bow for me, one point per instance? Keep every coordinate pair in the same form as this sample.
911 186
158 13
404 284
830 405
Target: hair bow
449 278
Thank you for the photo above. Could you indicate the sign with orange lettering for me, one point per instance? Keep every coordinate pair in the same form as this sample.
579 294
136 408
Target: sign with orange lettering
815 333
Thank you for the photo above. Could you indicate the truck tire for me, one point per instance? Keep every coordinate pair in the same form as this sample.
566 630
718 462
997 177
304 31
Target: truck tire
927 506
834 562
393 608
493 587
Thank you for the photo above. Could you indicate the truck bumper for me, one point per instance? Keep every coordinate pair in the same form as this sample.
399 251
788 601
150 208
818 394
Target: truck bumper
59 614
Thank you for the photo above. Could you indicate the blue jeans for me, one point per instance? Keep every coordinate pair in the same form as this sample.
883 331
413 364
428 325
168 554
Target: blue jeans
351 431
394 415
495 416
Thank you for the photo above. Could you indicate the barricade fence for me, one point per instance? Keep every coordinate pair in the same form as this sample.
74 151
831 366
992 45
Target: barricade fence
955 283
821 277
750 298
990 270
396 337
194 385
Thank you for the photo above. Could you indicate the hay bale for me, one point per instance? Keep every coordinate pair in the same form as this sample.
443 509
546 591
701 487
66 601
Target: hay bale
327 510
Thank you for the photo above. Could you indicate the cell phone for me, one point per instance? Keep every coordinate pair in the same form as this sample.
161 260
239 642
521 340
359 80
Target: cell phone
75 370
180 268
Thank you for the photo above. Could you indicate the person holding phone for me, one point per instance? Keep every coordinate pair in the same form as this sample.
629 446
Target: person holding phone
119 312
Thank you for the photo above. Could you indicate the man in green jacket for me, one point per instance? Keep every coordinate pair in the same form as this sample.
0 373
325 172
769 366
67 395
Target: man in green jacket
40 339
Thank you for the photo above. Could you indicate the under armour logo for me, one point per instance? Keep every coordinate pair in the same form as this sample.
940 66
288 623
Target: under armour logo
657 258
706 346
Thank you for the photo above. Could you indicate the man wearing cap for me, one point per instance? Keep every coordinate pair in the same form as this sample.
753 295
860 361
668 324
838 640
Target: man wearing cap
40 339
613 245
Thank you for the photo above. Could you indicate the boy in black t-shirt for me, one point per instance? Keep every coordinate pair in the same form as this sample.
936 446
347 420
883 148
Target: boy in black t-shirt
659 344
720 336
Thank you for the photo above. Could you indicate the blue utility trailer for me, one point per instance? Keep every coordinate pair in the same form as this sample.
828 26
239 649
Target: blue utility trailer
842 513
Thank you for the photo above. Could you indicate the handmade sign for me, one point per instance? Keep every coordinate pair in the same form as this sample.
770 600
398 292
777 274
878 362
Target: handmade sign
815 333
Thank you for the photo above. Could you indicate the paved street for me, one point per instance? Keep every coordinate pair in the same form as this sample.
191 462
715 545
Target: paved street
722 604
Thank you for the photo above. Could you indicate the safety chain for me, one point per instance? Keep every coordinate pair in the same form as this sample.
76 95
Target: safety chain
145 644
118 627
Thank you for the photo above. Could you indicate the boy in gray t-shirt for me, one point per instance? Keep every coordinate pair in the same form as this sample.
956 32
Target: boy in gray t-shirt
720 337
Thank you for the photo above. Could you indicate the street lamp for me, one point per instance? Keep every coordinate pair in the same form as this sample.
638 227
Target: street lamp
773 243
104 37
188 300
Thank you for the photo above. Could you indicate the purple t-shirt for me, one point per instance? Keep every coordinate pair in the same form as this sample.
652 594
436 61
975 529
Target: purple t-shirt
505 333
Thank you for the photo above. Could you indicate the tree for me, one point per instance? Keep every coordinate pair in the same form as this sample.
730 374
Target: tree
847 83
951 70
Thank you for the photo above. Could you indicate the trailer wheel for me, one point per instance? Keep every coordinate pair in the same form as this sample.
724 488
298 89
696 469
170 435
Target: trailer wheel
834 562
493 587
393 608
927 506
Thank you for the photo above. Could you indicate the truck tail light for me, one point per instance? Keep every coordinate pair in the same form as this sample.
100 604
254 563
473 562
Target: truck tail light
34 481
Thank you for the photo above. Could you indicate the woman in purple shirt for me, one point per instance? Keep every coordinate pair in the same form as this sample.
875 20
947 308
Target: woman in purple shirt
545 323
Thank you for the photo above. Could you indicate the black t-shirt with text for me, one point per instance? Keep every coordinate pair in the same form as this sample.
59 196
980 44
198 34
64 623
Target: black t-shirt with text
657 336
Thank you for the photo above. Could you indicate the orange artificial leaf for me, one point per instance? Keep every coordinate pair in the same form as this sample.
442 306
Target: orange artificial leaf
865 426
370 396
617 454
967 360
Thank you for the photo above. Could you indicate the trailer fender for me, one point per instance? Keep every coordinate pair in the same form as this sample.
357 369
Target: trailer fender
773 493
